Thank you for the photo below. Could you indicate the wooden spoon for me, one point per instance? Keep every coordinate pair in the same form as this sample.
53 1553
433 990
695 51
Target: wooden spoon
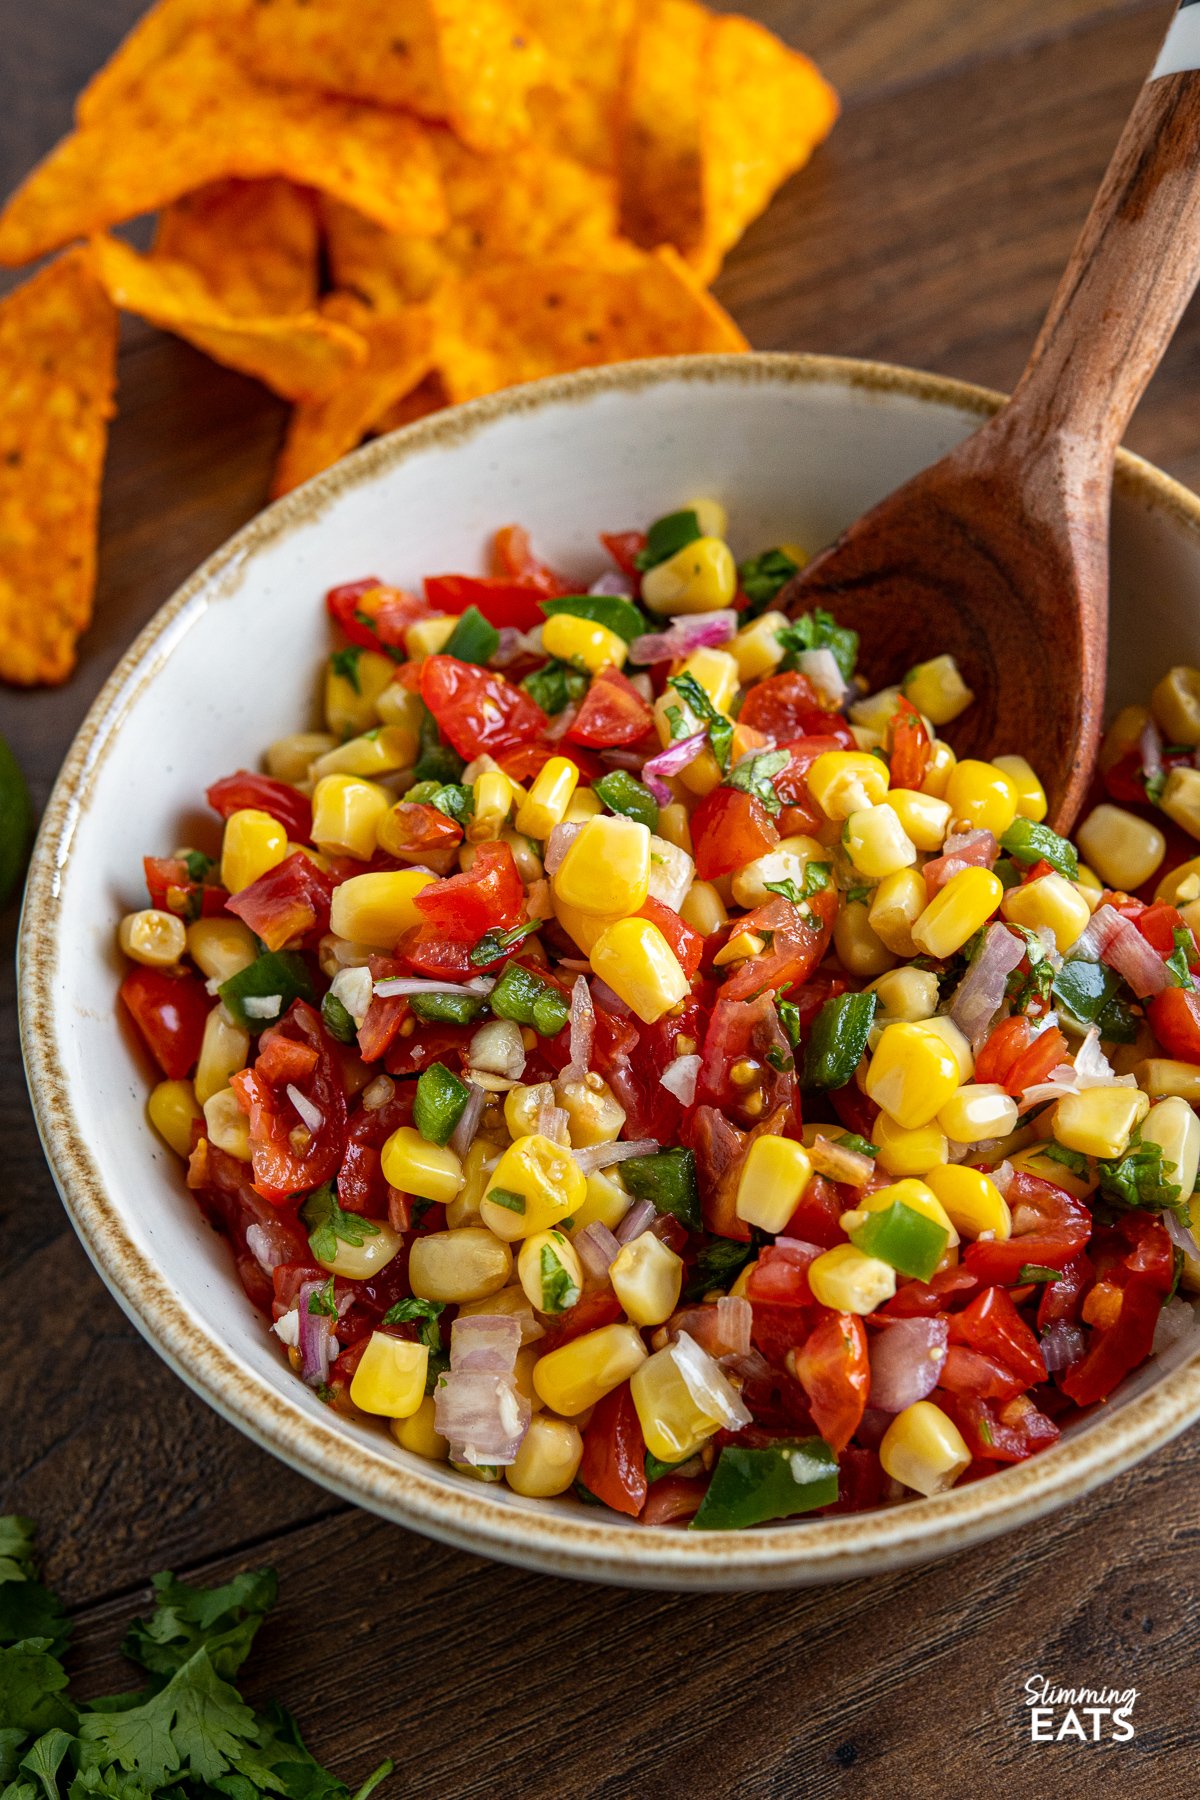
999 553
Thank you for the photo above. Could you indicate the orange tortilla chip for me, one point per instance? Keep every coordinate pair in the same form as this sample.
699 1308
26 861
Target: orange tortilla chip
399 356
513 324
254 244
429 396
299 355
660 169
588 42
58 348
196 117
157 35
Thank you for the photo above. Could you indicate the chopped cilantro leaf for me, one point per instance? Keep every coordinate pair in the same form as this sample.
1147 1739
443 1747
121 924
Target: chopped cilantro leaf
762 577
819 630
494 943
323 1301
1141 1179
506 1198
1154 786
754 775
555 685
199 866
424 1314
720 729
345 664
455 801
673 532
559 1289
1177 963
789 1018
858 895
851 1140
328 1224
718 1265
1074 1160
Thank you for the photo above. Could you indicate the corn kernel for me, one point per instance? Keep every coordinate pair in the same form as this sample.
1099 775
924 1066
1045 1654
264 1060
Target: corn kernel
346 814
253 843
458 1266
549 1271
903 1153
399 705
576 1375
605 1202
773 1179
350 697
981 797
673 1424
358 1262
972 1201
958 1045
1031 795
493 798
956 912
547 1460
938 769
390 1377
847 1280
290 758
906 994
638 964
703 908
842 782
756 649
594 1114
548 797
1175 1128
873 713
1175 703
224 1049
157 939
523 1106
584 805
464 1208
674 826
978 1111
1099 1121
1180 799
429 636
786 862
711 517
414 1166
1162 1077
1182 885
419 1434
226 1125
918 1196
717 673
877 843
923 1449
861 950
647 1279
585 928
540 1182
606 870
221 948
1089 884
700 578
937 689
1124 850
1123 734
584 642
376 909
1032 1160
1050 901
912 1074
924 818
894 909
378 752
511 1302
172 1110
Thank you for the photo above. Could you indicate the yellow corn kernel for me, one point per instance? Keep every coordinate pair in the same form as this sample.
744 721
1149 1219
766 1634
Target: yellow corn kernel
912 1074
938 770
1162 1077
583 642
604 1203
978 1111
493 797
357 1262
522 1106
582 806
848 1280
711 517
700 578
717 673
420 1434
738 1290
224 1049
464 1208
547 1460
918 1195
894 909
527 1355
154 938
546 804
290 758
585 928
1031 795
429 636
376 909
172 1110
226 1125
877 843
606 870
956 912
1123 734
981 797
549 1271
414 1166
906 994
576 1375
354 680
958 1045
923 1449
1050 901
1180 799
674 826
774 1176
861 950
673 1424
874 712
937 689
756 649
1089 884
1175 1128
221 948
703 908
842 782
1099 1120
390 1377
647 1279
400 706
1124 850
540 1182
594 1114
972 1201
458 1266
1182 885
639 965
924 818
347 811
902 1153
253 843
1175 704
1032 1160
378 752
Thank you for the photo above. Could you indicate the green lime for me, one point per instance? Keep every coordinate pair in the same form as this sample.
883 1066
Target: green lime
16 823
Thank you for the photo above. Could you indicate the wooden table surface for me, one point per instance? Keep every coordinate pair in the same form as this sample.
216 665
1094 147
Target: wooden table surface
928 231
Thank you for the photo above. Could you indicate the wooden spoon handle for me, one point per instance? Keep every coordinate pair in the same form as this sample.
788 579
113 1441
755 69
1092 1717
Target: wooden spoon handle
1133 268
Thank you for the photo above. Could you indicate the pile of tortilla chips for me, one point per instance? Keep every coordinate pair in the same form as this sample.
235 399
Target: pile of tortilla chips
377 208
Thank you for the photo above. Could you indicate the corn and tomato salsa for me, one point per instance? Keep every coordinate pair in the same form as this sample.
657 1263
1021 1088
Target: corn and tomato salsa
629 1058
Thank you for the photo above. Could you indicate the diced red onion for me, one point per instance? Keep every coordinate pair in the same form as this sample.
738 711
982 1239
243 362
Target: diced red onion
734 1316
681 639
557 845
1177 1231
484 1343
561 723
608 1001
264 1252
312 1115
1062 1346
396 987
597 1246
1092 1067
553 1121
1003 1175
669 762
906 1360
961 850
821 667
1151 746
316 1337
482 1415
708 1384
463 1135
980 993
839 1164
602 1156
680 1077
1124 949
618 757
583 1027
640 1215
497 1048
612 582
1176 1320
511 646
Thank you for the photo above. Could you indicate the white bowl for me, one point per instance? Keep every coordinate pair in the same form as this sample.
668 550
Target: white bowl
795 447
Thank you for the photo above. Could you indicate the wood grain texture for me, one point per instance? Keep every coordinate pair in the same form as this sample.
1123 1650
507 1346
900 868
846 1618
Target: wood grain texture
931 230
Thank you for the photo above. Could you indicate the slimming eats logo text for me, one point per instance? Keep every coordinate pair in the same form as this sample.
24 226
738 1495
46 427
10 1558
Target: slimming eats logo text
1090 1715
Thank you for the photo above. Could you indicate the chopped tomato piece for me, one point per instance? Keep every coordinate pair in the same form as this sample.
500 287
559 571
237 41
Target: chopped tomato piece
171 889
515 560
475 709
730 829
780 1276
489 896
290 901
786 707
1003 1431
1049 1228
832 1368
169 1011
501 601
992 1323
921 1299
611 713
1061 1299
625 547
1018 1057
288 1155
1175 1021
1143 1276
798 942
281 1060
674 1498
417 828
373 615
908 745
600 1307
977 1373
286 805
688 945
614 1453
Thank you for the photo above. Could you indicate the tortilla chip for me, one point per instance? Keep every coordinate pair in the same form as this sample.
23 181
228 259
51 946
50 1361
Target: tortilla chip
299 355
588 43
518 323
157 35
529 205
196 117
58 349
716 114
399 355
429 396
254 244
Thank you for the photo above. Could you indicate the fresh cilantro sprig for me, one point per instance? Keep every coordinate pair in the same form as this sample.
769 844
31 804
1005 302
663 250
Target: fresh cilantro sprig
1178 970
424 1314
720 729
494 943
762 577
817 876
345 664
819 630
328 1224
755 775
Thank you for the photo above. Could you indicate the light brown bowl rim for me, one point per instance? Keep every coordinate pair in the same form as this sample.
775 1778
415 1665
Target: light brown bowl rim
584 1543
